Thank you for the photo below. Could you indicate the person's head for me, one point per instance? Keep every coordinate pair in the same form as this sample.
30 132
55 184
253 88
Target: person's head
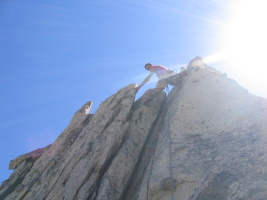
148 66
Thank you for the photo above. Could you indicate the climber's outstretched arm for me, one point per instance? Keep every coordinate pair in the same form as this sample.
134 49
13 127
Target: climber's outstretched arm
145 81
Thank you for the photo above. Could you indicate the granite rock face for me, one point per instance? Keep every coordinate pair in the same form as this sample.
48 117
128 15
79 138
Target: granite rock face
205 140
218 142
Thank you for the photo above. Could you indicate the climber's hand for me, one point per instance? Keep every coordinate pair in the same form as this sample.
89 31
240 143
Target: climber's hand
137 89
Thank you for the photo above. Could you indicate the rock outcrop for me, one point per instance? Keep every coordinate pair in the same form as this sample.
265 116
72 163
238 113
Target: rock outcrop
205 140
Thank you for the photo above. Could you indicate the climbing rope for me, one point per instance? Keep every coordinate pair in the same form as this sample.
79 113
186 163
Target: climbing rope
153 158
169 140
170 148
150 171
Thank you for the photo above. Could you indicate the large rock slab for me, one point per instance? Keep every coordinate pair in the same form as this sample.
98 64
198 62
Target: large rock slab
94 158
205 140
217 138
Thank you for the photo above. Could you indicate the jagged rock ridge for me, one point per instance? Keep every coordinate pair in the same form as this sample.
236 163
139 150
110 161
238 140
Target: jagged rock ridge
218 147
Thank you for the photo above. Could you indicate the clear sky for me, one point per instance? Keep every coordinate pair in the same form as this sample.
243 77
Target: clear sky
57 55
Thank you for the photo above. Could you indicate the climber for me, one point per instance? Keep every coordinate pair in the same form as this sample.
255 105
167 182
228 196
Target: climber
165 76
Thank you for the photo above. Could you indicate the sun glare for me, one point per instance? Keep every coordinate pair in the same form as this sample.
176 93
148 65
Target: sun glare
244 43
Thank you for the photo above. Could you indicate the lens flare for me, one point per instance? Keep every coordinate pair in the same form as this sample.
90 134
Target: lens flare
243 41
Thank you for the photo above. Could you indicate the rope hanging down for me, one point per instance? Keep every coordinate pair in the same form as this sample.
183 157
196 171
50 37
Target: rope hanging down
170 148
170 157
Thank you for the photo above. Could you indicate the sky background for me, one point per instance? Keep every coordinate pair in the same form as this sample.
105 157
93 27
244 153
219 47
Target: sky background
57 55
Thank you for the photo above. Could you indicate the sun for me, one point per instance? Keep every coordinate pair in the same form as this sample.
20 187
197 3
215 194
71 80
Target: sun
243 42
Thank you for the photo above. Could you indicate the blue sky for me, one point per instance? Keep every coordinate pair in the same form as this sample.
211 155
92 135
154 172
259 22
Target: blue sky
57 55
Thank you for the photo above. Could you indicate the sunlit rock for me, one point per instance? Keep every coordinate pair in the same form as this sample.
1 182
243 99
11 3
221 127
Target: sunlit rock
211 128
